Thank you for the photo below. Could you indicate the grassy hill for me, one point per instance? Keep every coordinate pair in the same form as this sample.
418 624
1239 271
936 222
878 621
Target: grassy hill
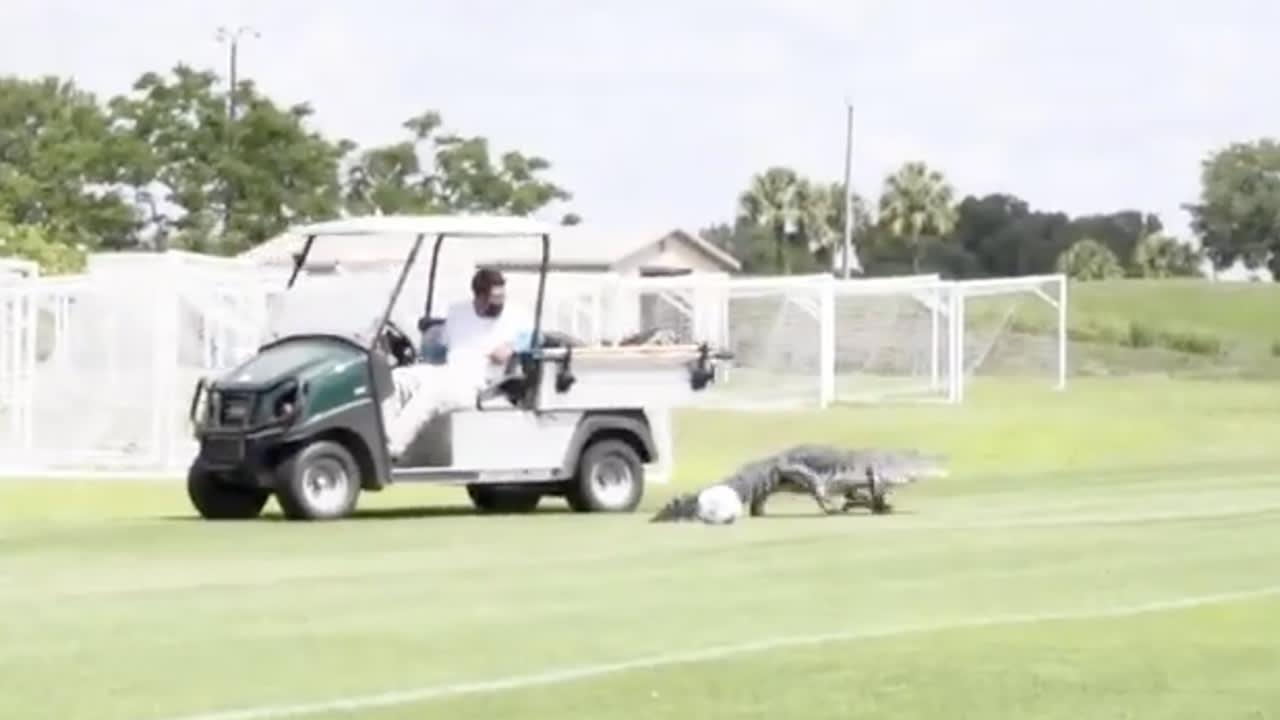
1245 312
1163 325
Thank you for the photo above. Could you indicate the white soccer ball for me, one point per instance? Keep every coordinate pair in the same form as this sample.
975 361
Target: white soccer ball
719 505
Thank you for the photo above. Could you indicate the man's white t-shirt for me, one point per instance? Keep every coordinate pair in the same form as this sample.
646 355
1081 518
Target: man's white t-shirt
471 337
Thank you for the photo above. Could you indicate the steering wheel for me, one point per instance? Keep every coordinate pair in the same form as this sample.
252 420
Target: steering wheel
396 343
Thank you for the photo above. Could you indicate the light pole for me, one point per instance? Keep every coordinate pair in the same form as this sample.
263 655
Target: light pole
232 40
849 259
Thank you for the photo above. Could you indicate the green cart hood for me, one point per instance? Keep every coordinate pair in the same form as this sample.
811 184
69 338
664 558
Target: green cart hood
302 357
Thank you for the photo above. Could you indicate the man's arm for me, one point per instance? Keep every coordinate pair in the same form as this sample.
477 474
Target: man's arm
515 335
501 354
451 319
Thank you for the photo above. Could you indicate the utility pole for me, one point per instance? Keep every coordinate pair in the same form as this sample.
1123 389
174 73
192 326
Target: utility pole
849 258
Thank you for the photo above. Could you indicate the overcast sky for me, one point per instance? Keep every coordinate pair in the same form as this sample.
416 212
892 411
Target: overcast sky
656 114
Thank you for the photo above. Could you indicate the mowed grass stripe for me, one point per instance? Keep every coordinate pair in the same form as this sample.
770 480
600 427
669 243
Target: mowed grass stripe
1209 661
28 575
787 644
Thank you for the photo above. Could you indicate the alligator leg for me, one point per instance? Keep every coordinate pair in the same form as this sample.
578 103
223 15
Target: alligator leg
852 499
809 483
879 493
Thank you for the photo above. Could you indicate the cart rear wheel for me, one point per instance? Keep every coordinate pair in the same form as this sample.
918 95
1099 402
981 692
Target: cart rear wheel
610 478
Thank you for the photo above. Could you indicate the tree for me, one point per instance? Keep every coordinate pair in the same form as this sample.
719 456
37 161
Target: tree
756 247
989 229
791 208
917 201
209 184
59 163
1089 259
831 203
54 255
1161 256
1237 217
1007 237
433 171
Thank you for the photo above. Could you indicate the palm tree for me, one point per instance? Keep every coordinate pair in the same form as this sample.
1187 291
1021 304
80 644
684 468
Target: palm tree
831 203
789 206
917 201
1088 259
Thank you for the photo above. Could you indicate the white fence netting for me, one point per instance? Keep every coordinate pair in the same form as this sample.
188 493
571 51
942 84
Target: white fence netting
97 371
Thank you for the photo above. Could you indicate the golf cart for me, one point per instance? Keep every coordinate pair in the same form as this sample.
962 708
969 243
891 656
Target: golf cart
303 418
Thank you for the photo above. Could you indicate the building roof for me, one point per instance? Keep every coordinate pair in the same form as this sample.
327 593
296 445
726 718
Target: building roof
478 226
352 241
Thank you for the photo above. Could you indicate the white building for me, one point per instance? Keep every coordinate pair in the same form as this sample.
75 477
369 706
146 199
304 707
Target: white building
582 258
578 248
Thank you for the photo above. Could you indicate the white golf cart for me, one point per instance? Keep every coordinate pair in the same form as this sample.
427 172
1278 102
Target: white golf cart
302 418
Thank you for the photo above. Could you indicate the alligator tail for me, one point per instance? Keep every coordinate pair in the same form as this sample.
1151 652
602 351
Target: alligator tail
681 507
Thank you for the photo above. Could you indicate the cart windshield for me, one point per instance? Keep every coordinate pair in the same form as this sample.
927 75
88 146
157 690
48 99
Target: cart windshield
342 289
345 285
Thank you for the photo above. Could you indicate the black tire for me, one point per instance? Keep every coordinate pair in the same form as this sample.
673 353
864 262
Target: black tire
216 499
616 459
300 476
504 500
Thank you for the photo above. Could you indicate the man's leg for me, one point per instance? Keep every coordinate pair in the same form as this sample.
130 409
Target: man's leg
425 391
414 405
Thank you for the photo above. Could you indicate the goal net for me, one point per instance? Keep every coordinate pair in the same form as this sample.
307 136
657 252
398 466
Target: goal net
97 370
892 339
1013 329
806 341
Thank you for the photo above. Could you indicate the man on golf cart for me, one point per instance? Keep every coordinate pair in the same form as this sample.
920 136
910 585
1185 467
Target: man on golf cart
478 337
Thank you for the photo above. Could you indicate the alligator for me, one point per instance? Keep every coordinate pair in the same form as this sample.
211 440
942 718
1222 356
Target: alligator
860 477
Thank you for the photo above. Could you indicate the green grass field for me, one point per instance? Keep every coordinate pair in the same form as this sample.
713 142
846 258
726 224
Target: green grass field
1105 552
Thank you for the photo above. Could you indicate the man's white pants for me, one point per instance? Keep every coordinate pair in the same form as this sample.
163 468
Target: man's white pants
423 392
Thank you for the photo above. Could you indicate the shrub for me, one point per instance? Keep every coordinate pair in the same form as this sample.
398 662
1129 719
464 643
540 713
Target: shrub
1142 335
1192 342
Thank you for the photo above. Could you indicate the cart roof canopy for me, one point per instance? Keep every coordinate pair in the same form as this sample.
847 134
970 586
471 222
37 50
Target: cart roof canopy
475 226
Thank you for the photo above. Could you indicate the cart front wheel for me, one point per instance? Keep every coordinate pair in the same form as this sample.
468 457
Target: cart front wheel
216 499
319 481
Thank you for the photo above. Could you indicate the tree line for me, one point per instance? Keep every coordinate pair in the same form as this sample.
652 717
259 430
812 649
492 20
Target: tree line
789 223
175 163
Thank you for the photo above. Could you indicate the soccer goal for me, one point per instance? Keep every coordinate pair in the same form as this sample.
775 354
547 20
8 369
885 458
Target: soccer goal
97 370
806 341
1011 328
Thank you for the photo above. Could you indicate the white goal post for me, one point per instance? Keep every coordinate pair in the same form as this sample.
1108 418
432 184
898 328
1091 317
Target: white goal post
815 341
97 369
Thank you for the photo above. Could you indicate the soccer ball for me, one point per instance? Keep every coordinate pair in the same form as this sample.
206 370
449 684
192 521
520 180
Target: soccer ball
719 505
